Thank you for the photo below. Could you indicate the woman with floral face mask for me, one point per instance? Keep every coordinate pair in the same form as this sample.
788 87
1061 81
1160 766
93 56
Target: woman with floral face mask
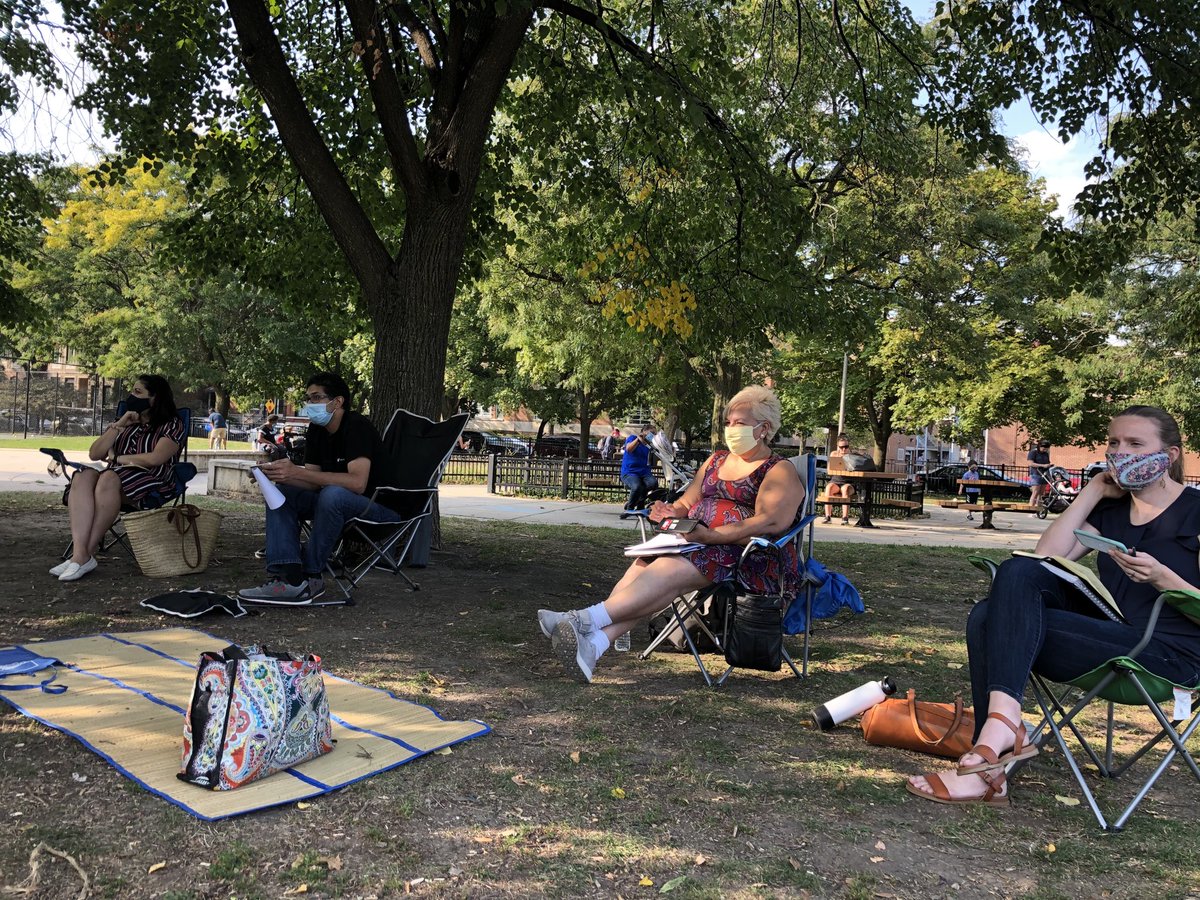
1031 621
737 494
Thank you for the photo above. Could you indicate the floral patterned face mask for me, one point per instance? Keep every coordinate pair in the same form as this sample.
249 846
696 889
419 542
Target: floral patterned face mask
1134 471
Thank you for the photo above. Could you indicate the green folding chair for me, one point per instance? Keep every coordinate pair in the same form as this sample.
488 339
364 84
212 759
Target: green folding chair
1124 681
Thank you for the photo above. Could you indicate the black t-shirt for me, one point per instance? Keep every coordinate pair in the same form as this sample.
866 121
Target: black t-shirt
1173 538
356 437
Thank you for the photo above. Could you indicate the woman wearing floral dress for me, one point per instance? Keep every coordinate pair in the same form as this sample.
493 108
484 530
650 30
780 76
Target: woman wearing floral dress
737 494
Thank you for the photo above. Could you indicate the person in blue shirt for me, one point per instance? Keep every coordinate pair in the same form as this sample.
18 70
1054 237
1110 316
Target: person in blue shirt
635 468
218 431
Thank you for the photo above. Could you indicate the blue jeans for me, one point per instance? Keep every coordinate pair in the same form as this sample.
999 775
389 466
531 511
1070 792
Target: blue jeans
639 486
328 509
1032 621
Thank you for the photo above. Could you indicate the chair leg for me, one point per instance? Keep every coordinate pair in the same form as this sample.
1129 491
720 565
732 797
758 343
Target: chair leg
1070 758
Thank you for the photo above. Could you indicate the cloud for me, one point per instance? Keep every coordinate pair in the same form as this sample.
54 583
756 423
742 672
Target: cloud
1059 164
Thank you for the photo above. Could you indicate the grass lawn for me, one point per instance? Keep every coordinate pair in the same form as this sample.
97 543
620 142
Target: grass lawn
80 443
644 783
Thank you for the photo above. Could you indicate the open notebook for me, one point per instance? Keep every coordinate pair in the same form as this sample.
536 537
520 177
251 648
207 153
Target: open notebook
1082 579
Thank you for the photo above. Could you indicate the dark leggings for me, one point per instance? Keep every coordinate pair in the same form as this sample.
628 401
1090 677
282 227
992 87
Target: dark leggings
1033 621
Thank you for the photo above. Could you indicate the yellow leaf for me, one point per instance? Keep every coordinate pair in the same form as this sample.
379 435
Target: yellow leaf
646 881
1066 801
575 757
877 859
1050 848
953 665
618 794
154 868
443 751
303 805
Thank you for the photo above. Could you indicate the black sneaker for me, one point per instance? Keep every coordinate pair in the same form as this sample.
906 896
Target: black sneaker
278 592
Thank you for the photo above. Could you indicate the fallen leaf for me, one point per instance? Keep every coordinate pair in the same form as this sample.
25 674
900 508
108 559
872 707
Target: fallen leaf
793 863
575 757
880 845
618 794
518 779
154 868
332 863
443 751
954 665
585 584
877 859
1066 801
1050 848
303 805
700 859
646 881
672 884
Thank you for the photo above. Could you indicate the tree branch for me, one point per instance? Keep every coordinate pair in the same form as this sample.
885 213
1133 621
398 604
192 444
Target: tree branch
267 67
391 105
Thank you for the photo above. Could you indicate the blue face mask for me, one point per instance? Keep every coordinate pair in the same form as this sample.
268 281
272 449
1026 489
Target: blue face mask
317 413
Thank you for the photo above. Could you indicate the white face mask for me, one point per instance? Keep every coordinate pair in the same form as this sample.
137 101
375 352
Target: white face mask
740 439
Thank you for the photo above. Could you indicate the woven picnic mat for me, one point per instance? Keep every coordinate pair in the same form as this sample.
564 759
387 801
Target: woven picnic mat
125 698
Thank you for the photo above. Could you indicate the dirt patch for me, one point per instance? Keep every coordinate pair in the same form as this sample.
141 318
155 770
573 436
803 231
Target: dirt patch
641 783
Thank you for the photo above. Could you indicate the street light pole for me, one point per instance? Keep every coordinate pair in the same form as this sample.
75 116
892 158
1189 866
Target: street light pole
842 402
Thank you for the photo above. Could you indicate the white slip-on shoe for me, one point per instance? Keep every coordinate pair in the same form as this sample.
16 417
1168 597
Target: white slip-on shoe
60 568
75 571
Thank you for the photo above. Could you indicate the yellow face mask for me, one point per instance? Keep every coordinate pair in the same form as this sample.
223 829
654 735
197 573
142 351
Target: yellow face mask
740 439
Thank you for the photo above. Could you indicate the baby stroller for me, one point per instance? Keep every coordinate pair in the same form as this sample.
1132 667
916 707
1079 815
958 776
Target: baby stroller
1058 494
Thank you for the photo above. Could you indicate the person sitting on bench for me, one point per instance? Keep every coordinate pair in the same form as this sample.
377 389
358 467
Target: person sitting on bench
839 486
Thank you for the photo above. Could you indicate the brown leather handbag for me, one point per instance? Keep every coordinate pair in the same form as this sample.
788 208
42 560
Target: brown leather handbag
943 729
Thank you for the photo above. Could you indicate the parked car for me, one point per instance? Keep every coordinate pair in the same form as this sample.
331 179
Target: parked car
1091 470
944 479
562 445
486 442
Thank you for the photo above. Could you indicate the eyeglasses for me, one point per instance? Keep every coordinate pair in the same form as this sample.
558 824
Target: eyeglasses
316 398
843 446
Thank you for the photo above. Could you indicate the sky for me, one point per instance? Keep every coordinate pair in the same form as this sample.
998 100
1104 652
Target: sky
49 123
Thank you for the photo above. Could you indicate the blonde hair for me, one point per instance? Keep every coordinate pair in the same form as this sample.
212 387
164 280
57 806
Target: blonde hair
764 406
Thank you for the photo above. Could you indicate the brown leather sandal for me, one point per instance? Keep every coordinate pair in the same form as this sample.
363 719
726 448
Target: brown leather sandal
990 797
1021 749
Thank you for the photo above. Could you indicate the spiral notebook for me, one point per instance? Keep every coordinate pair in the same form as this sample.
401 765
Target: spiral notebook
1082 579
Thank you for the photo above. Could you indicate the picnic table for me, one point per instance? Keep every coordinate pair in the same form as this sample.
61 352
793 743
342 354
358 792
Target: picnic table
986 487
867 480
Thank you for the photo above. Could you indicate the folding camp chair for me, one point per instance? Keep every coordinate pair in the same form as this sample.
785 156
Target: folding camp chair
417 449
1121 680
183 472
691 606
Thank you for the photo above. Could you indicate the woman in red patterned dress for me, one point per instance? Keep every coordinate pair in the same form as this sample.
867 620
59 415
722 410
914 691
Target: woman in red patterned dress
141 448
738 494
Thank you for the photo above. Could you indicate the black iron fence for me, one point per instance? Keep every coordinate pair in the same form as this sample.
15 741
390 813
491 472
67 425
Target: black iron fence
47 403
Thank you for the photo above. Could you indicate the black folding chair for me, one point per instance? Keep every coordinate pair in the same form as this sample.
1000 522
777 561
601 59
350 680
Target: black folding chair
183 472
417 449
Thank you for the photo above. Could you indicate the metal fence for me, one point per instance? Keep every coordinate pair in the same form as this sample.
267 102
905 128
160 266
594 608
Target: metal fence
44 403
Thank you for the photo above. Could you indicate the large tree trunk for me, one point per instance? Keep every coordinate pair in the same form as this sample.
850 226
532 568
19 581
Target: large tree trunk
879 416
724 384
411 311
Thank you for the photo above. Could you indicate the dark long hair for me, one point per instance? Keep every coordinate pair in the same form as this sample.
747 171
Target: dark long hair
162 407
1168 433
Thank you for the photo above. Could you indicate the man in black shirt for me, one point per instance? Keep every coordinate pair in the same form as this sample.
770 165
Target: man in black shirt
342 463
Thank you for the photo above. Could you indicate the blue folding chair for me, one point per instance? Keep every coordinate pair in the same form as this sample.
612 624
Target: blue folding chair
183 472
692 605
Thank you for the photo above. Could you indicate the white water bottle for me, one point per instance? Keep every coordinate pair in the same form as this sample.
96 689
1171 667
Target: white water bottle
621 644
851 703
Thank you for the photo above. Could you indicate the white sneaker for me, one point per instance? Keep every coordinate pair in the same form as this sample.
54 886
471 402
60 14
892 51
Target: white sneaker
75 571
60 568
574 651
548 620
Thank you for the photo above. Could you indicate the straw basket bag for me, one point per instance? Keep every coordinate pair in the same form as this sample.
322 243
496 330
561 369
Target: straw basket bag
174 540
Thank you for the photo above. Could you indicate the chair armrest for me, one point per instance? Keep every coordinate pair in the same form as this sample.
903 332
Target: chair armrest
1187 602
